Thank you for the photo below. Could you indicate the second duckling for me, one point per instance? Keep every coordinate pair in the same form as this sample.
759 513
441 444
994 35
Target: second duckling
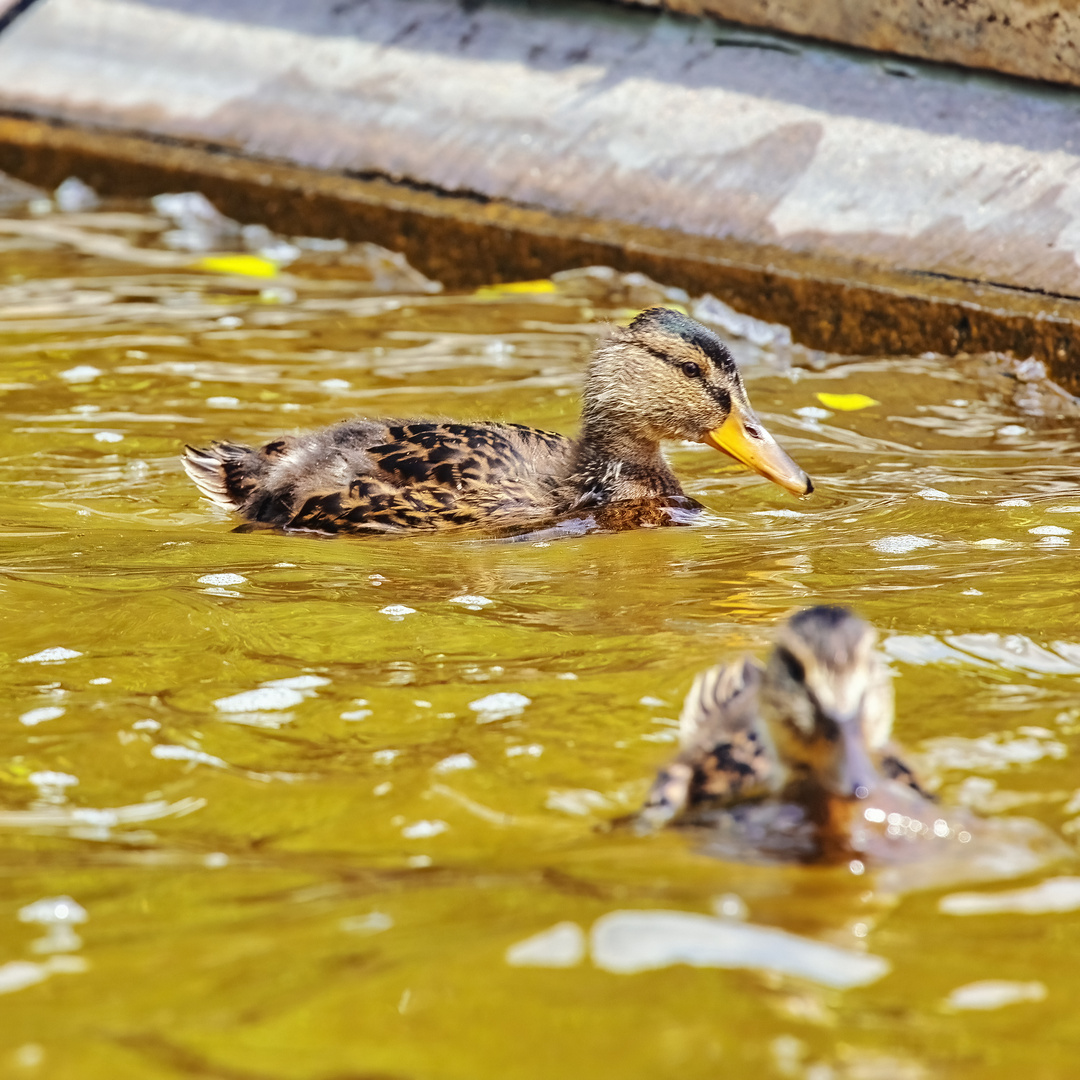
802 742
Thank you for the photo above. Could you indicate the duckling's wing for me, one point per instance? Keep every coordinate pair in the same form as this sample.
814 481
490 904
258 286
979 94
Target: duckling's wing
722 700
723 738
893 765
724 756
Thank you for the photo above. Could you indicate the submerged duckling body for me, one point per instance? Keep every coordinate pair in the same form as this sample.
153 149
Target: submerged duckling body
663 377
783 760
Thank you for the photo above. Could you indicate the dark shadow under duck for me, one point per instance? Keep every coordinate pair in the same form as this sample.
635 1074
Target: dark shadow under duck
663 377
782 761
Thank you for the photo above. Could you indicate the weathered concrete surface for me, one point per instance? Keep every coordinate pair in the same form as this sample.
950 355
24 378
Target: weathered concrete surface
594 112
810 187
1038 39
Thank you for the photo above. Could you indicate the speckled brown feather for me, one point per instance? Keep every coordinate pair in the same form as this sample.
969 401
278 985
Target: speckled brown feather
386 476
724 756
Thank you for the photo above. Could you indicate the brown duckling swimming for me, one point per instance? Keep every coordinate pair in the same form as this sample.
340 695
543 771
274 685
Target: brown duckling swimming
663 377
797 750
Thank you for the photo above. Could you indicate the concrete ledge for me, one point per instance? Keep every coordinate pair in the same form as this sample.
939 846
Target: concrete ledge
588 110
871 213
1037 39
466 242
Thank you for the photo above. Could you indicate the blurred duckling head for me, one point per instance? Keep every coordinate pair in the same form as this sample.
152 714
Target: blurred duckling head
827 700
666 376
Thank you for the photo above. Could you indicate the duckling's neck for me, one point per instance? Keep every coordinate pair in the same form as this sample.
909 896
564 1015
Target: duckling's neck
610 465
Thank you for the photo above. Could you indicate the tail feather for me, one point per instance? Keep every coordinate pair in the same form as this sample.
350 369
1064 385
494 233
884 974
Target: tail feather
219 472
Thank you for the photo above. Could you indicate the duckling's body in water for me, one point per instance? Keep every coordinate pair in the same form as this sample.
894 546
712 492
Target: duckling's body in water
782 761
663 377
793 762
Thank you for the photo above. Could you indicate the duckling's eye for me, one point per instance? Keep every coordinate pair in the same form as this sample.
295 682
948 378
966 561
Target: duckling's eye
691 370
792 665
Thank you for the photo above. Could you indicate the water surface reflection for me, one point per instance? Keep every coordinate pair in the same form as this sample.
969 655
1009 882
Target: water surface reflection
261 764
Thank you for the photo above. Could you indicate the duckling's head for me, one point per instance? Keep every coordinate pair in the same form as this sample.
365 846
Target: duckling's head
827 700
666 376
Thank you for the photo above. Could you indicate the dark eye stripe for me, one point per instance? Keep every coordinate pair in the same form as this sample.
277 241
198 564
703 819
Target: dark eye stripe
721 397
659 355
792 664
719 394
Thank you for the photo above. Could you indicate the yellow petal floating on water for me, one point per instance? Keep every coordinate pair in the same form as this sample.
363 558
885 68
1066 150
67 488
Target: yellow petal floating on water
245 265
510 287
846 402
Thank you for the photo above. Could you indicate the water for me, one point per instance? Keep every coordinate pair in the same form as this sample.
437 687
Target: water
335 808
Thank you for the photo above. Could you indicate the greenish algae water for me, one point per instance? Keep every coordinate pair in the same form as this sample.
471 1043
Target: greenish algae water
304 851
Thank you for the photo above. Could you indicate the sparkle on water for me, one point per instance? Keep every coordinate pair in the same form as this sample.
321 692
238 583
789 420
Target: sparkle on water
253 762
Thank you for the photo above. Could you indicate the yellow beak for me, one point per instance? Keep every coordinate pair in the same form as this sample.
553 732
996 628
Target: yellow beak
744 439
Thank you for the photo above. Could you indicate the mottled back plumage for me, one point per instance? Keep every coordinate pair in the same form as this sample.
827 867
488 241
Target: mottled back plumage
385 475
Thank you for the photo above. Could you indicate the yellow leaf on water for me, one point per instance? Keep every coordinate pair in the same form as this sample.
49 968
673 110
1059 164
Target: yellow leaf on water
505 288
846 402
245 265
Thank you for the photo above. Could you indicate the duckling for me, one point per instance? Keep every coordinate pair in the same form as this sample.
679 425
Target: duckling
809 729
664 376
792 762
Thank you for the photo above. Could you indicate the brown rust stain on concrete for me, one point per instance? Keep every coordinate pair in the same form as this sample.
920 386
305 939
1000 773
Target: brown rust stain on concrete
466 242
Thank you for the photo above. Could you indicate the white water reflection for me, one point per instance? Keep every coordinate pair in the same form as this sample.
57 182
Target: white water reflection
900 545
629 942
995 849
454 763
1019 653
19 974
169 752
1053 895
499 706
1014 652
994 994
995 751
560 946
626 942
54 655
58 916
375 922
39 715
68 816
274 696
